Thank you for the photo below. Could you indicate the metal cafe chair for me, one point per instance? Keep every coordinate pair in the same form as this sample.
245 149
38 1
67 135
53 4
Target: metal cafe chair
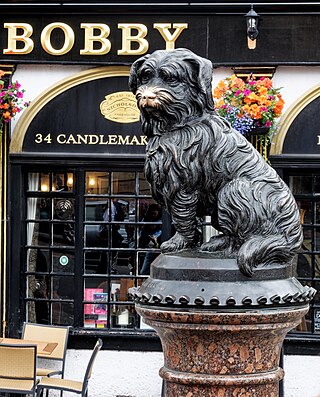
68 385
49 333
18 369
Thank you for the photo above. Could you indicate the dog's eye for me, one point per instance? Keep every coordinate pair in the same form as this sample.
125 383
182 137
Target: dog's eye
146 75
168 77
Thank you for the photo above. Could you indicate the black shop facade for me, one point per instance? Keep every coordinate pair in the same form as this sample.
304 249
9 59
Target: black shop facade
80 227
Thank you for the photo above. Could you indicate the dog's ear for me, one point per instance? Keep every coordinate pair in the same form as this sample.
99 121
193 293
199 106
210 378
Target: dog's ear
133 73
202 71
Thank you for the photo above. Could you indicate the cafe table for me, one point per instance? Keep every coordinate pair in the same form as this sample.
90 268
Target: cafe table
44 349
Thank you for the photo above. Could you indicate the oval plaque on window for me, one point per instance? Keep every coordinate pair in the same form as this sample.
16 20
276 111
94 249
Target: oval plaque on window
120 107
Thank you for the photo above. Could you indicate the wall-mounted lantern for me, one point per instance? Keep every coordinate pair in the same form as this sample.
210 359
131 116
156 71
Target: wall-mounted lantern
252 20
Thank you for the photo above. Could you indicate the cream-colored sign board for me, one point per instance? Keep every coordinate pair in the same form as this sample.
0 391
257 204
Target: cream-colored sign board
120 107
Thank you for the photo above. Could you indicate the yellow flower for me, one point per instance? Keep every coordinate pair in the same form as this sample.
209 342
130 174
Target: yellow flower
6 115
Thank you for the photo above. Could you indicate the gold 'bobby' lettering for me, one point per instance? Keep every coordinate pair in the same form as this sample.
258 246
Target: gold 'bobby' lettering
96 38
120 107
100 139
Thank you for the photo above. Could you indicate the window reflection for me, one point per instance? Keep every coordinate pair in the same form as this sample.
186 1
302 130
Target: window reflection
62 182
300 184
48 182
97 183
123 183
306 191
119 236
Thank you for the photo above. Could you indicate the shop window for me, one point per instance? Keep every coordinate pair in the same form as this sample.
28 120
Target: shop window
306 189
90 238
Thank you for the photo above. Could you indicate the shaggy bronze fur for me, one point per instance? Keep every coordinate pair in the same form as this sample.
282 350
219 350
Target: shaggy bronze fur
198 165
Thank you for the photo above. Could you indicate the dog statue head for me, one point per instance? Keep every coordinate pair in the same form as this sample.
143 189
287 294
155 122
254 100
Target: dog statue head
171 87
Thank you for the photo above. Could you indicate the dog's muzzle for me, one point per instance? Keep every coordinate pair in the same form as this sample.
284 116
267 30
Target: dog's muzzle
147 98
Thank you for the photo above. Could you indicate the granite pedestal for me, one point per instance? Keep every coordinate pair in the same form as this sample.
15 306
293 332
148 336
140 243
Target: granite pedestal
221 331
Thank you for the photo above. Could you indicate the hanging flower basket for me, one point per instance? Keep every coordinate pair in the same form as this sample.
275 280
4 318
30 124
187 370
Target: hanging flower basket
250 105
11 101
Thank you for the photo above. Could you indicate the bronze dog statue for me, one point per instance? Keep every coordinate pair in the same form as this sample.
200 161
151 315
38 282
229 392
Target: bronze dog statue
198 165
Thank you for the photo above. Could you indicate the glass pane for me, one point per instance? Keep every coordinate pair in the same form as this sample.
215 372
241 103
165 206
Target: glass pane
38 312
95 313
121 262
149 211
38 234
44 208
316 285
305 208
62 261
119 236
62 287
120 289
150 233
62 313
37 287
95 209
317 212
304 265
317 238
301 184
63 209
122 316
96 235
123 183
316 184
63 234
145 260
96 262
63 181
44 182
38 208
36 181
307 238
97 183
316 317
38 260
144 187
131 236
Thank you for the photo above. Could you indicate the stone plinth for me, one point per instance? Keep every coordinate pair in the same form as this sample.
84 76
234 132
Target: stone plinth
221 332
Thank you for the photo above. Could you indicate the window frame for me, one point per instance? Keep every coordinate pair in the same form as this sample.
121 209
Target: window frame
129 339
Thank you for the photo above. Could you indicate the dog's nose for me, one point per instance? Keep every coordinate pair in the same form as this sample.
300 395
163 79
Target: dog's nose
148 98
148 95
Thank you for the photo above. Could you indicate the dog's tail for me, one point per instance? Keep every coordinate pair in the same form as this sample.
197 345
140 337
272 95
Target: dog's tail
260 250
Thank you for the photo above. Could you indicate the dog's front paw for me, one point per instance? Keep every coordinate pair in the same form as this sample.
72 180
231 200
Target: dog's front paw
176 243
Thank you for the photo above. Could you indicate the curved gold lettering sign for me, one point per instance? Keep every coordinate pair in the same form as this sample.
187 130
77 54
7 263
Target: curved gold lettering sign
120 107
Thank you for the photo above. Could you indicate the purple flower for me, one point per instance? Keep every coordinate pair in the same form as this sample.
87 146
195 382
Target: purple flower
237 93
19 94
247 92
